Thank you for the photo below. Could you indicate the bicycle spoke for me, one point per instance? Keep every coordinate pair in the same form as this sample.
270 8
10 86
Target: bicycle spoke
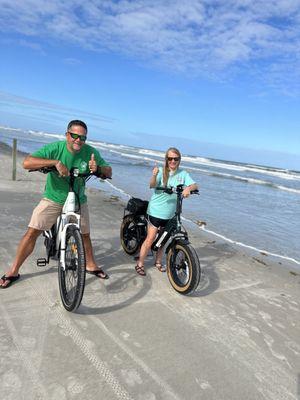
129 234
183 268
73 276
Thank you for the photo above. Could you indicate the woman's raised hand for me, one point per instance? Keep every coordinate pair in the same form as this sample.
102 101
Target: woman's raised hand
155 170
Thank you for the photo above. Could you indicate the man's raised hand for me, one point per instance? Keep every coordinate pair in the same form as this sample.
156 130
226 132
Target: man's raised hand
92 164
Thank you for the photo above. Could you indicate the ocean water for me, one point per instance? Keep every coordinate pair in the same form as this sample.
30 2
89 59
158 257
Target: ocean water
253 206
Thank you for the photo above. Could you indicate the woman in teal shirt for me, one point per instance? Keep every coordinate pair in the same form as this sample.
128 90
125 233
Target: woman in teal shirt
162 206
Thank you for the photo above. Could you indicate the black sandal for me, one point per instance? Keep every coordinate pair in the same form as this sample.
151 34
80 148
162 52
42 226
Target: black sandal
9 279
140 270
99 273
160 267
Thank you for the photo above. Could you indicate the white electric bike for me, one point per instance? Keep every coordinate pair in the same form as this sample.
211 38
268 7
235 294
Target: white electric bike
64 243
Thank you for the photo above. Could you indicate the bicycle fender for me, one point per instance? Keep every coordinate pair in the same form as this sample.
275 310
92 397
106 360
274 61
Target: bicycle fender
128 214
181 239
67 216
63 240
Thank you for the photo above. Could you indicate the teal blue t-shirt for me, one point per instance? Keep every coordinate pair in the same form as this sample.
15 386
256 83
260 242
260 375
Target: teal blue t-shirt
163 205
57 187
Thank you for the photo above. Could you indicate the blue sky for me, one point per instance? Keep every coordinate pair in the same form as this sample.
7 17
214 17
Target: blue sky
216 78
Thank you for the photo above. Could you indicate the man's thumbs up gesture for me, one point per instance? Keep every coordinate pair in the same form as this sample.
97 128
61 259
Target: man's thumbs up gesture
92 164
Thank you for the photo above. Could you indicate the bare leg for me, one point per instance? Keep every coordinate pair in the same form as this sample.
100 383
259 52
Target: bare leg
146 246
24 250
159 256
89 256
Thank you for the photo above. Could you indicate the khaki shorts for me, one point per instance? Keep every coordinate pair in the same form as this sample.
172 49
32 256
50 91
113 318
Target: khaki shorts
46 212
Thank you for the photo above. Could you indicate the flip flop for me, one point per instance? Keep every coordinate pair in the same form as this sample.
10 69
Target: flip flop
160 267
9 279
99 273
140 270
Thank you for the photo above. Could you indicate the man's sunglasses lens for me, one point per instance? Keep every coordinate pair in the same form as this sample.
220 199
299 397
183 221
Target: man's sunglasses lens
173 158
76 136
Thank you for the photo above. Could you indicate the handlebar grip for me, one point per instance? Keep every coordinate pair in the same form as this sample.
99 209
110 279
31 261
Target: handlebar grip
165 189
44 170
102 176
88 174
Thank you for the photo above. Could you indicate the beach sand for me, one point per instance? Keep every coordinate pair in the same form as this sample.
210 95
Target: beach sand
237 337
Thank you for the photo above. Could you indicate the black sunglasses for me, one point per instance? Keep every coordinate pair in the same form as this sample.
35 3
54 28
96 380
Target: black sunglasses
173 158
76 136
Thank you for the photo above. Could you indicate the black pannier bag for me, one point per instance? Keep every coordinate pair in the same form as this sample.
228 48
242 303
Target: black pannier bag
137 206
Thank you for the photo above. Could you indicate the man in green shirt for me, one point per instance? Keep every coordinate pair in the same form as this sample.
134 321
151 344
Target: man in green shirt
73 152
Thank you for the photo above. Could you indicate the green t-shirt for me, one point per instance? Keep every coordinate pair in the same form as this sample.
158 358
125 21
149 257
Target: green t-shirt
57 188
163 205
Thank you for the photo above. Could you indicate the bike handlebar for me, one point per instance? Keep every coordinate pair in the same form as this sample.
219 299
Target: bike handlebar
73 172
164 189
43 170
178 189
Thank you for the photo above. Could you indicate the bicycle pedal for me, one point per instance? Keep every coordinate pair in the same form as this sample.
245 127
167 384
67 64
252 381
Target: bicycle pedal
41 262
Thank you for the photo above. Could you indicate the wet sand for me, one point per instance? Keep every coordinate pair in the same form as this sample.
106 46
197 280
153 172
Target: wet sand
237 337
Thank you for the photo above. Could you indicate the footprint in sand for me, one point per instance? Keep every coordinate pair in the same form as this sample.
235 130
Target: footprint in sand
131 377
59 392
74 387
10 381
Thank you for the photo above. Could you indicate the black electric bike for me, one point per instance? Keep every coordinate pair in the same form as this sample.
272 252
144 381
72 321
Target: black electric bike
64 243
183 266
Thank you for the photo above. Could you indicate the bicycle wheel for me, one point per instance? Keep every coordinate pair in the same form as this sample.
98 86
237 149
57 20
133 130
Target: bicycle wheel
183 267
129 235
72 279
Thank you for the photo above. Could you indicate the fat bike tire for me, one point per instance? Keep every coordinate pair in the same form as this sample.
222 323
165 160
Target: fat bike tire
72 278
129 235
183 268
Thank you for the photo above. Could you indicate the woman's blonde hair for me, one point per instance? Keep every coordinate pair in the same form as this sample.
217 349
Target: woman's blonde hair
166 169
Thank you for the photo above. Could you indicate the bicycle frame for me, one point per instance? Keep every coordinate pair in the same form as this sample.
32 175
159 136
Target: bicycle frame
182 262
62 224
64 242
67 218
173 230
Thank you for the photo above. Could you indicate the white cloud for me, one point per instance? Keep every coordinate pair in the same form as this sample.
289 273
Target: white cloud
204 38
11 101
